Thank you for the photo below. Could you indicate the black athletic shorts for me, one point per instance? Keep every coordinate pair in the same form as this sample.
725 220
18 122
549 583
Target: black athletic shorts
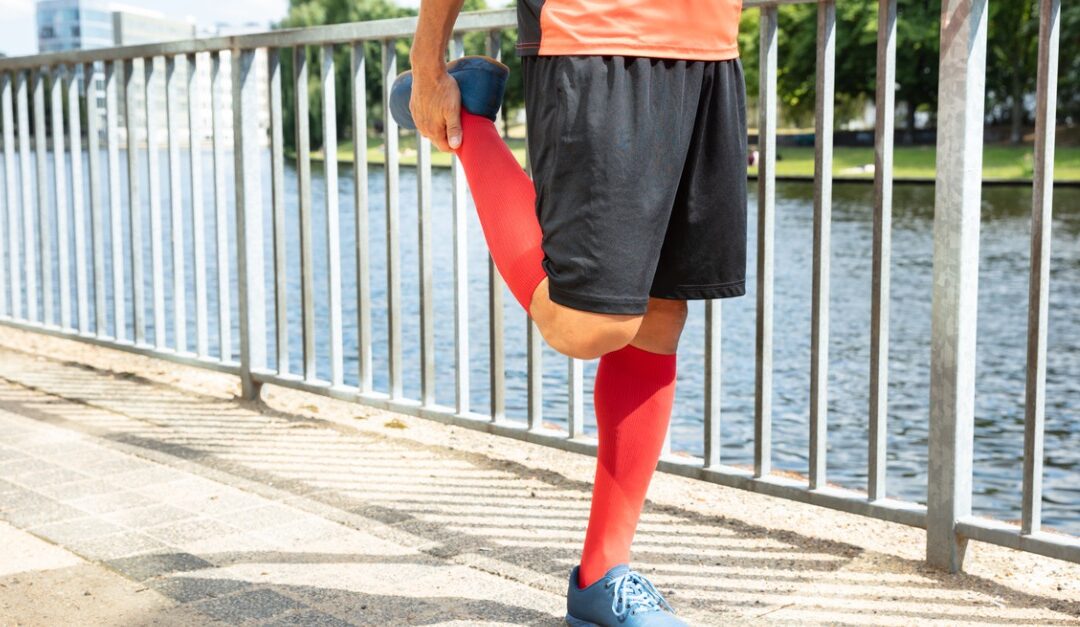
640 171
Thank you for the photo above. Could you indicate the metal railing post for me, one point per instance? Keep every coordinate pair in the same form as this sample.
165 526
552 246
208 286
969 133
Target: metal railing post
882 251
71 87
303 191
393 221
277 204
60 213
712 416
11 191
198 224
358 82
249 230
114 81
766 225
461 267
823 163
176 203
1042 209
132 117
333 215
26 194
956 275
44 242
221 237
151 106
496 286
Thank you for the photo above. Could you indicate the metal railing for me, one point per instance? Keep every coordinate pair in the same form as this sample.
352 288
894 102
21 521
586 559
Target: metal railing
26 253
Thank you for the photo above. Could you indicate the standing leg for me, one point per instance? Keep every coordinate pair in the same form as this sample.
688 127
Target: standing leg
634 391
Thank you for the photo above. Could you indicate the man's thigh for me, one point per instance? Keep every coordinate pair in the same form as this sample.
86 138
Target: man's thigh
608 138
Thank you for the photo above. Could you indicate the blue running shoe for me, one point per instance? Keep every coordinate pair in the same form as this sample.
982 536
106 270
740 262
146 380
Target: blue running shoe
481 80
621 598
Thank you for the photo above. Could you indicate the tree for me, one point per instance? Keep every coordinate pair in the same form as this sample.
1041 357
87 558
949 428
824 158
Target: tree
856 54
1069 72
1012 56
303 13
855 35
918 27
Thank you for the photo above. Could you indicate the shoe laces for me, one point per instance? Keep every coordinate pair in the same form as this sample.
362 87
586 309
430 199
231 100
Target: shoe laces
634 594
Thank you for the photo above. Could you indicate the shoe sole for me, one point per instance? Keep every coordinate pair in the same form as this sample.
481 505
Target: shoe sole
577 622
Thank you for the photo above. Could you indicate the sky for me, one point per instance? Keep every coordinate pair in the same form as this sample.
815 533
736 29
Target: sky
18 28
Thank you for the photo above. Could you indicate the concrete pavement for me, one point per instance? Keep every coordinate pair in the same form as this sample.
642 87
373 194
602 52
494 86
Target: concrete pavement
139 492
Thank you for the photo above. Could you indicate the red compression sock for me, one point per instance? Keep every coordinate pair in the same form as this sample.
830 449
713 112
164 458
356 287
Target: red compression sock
634 393
506 203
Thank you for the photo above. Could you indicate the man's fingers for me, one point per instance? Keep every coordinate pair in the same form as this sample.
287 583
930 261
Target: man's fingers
437 134
453 129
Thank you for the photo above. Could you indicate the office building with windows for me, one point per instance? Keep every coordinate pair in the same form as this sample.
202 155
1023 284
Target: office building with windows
73 25
85 24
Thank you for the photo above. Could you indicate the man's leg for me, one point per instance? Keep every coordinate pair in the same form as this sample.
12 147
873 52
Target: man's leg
634 391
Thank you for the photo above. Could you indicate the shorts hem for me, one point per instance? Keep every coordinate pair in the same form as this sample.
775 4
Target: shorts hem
703 292
598 304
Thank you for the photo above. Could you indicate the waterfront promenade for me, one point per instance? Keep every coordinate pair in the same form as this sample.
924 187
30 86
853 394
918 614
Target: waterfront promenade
135 491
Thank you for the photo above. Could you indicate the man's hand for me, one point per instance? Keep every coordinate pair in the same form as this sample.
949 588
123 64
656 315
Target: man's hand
436 109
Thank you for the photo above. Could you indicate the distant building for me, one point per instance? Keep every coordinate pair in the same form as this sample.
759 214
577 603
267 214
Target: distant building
132 26
73 25
86 24
261 78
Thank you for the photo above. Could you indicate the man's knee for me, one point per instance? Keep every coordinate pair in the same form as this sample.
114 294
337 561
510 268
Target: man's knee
584 334
662 326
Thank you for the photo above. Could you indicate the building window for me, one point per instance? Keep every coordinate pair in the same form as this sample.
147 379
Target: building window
91 15
47 32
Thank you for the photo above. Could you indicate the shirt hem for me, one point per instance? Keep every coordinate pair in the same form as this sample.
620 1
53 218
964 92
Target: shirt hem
547 48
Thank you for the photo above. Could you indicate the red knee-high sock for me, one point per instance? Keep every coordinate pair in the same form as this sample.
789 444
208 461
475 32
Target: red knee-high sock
506 203
634 392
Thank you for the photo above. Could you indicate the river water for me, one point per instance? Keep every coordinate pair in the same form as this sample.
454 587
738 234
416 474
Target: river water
1001 339
1002 324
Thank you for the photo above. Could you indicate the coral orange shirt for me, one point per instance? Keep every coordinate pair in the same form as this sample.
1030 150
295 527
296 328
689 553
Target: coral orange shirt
674 29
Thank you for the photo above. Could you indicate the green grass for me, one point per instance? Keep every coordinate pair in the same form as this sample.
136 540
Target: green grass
1011 163
407 151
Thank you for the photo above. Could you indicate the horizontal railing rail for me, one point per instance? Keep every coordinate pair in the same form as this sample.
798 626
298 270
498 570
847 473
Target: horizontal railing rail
231 88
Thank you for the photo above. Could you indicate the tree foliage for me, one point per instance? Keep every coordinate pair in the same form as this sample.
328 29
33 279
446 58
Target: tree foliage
304 13
1011 51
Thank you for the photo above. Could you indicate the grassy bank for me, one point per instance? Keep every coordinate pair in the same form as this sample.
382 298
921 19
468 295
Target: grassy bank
1010 163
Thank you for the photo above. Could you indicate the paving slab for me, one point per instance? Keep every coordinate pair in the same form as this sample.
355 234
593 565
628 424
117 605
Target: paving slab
44 584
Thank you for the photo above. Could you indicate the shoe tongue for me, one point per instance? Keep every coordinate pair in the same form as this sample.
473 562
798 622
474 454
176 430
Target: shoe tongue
617 570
